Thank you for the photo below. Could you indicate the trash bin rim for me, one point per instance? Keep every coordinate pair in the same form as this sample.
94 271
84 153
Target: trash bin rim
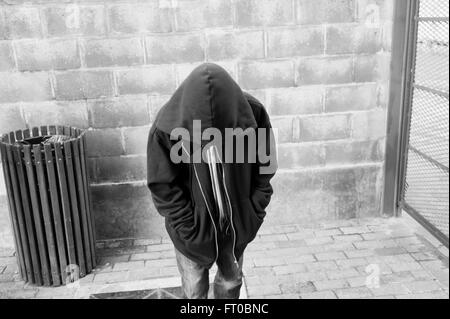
5 138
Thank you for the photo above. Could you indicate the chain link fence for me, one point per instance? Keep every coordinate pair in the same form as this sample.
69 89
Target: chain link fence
426 192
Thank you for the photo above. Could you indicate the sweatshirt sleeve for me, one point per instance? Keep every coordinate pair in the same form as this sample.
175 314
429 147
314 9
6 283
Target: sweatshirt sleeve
264 172
169 198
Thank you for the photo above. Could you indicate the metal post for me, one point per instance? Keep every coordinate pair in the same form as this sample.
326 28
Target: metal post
404 39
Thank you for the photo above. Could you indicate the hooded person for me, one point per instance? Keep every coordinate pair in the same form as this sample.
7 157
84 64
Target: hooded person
214 192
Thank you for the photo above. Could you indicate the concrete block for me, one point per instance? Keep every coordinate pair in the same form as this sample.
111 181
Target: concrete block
175 48
295 42
264 12
158 79
114 52
75 85
268 74
324 70
226 45
128 110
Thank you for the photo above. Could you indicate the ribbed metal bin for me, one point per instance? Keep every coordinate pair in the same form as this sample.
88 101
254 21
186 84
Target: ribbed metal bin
47 185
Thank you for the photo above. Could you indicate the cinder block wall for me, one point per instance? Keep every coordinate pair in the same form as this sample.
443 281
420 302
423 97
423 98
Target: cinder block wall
320 66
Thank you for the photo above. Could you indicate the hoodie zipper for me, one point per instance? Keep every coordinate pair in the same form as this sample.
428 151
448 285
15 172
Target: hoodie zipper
207 206
231 210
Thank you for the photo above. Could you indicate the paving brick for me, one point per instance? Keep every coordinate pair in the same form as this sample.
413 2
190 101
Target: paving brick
310 276
113 52
278 229
297 287
320 128
360 253
295 42
269 74
200 14
259 271
272 237
71 113
357 281
353 293
6 57
111 277
175 48
140 17
405 266
264 262
3 27
22 22
369 125
106 142
321 266
263 290
392 259
330 284
129 265
160 262
162 247
75 85
170 271
289 269
135 139
18 294
330 256
282 296
318 241
325 11
154 79
399 277
225 45
72 20
291 101
119 112
300 259
428 295
425 256
353 38
319 295
353 262
17 87
110 260
57 54
324 70
342 274
390 289
264 12
376 235
327 232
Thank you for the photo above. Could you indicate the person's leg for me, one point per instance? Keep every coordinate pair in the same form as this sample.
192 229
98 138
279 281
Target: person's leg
228 280
194 278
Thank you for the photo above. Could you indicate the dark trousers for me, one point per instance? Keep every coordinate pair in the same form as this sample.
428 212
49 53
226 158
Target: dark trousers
228 280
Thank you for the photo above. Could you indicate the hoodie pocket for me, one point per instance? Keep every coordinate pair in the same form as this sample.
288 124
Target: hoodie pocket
246 222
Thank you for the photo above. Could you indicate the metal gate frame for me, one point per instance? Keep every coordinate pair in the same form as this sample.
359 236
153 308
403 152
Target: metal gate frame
405 31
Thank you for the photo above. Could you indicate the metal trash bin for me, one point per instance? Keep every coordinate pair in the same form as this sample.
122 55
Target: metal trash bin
47 185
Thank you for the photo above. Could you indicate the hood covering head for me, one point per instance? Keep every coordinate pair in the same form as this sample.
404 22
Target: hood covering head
208 94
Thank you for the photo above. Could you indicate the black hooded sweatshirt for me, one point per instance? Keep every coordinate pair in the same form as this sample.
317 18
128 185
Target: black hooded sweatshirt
182 193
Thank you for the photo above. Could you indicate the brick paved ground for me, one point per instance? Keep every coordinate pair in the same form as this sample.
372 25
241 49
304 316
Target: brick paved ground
371 258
